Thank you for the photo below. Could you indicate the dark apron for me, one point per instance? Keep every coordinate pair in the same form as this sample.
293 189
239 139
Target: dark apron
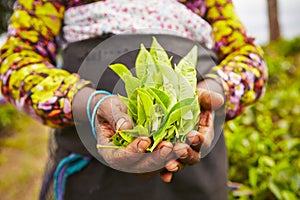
205 180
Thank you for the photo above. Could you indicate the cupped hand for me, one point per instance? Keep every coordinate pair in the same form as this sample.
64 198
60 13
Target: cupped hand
189 153
111 116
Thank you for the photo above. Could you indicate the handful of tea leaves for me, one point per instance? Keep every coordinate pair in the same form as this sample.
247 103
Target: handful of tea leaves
161 101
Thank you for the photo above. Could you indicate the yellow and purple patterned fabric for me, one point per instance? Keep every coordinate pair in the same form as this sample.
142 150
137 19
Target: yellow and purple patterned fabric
30 79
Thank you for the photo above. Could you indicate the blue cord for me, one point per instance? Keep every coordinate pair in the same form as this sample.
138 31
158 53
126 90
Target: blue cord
88 108
93 116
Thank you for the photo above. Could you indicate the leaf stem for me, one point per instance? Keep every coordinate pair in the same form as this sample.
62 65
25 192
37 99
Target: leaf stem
107 146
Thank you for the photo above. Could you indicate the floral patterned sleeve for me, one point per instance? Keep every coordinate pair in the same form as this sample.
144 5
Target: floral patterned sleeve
242 69
29 78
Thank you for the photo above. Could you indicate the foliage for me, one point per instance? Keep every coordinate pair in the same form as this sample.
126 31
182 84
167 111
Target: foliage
11 120
264 142
8 117
286 48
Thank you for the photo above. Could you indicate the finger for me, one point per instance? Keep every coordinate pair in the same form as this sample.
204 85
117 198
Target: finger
203 137
139 145
120 158
195 139
206 128
113 110
208 134
164 150
174 166
206 118
156 159
186 154
132 152
133 156
166 176
209 100
104 131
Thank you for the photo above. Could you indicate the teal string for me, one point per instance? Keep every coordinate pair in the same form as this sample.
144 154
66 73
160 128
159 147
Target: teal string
92 122
73 164
88 108
92 117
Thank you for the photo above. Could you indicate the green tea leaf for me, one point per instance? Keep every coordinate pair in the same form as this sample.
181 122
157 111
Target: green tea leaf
131 134
132 86
131 82
160 97
171 132
145 67
188 116
172 93
186 126
185 89
157 114
141 62
169 75
117 140
146 101
182 108
140 111
132 106
124 99
187 66
128 135
159 55
173 116
170 83
120 70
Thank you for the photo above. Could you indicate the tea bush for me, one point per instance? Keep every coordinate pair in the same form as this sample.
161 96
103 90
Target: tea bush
264 142
9 119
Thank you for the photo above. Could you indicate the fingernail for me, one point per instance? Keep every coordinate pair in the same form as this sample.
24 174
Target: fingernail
165 151
191 137
142 145
195 139
173 167
119 123
182 153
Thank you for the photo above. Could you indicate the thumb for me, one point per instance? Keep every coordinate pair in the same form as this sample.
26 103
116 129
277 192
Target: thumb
210 94
210 100
113 111
122 122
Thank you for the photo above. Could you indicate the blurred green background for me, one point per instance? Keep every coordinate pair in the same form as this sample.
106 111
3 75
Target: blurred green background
263 143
